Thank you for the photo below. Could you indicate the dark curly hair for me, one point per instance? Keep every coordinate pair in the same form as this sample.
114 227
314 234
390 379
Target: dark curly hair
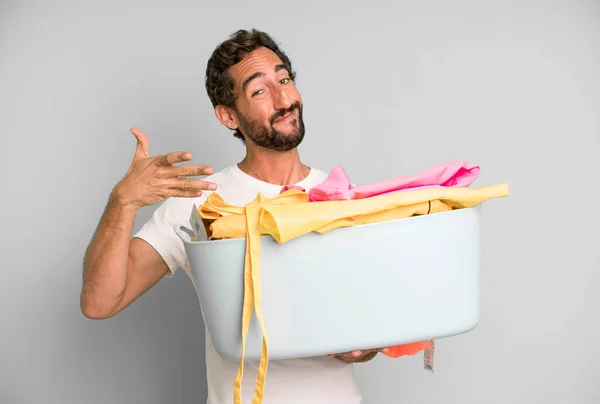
219 84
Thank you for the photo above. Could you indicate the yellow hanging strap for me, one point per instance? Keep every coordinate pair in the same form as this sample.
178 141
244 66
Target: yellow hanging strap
252 300
251 214
290 215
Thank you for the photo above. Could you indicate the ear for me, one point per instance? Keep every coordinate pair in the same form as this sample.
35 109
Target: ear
227 116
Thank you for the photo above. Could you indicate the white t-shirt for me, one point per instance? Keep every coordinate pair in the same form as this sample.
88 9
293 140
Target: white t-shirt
317 380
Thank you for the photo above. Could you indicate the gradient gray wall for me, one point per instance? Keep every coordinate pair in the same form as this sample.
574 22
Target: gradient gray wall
389 90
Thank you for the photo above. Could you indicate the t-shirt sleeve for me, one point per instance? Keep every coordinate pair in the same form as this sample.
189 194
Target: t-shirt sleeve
159 231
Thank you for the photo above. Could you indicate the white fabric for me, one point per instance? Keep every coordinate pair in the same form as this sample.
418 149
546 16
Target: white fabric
319 380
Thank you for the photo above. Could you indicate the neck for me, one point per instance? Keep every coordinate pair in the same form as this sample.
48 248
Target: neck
279 168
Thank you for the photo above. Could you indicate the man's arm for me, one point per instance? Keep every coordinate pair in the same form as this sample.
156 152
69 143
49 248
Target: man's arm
118 269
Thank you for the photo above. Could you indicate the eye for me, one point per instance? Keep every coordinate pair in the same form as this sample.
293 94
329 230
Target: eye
257 92
285 81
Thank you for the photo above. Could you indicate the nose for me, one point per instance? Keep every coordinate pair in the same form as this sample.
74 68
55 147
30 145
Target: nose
281 99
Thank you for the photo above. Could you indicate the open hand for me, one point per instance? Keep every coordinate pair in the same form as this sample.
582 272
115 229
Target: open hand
151 179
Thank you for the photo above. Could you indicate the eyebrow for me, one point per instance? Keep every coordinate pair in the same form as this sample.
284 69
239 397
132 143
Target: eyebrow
260 74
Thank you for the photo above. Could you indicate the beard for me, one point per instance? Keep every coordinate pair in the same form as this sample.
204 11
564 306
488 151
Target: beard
270 138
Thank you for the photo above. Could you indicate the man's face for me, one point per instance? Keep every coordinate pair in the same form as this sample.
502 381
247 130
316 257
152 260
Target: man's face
268 107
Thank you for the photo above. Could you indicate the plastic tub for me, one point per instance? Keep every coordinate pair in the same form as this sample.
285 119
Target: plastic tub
367 286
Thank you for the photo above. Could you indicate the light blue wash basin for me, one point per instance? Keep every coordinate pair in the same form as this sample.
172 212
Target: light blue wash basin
367 286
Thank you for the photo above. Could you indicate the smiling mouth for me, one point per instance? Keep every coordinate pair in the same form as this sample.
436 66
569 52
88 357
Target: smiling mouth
285 117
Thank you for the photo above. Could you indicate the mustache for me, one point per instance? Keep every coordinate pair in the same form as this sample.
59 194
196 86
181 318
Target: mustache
282 112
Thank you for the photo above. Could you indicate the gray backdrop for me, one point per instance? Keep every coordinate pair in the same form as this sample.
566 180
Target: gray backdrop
389 90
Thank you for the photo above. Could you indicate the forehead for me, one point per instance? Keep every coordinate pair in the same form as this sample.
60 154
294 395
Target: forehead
260 60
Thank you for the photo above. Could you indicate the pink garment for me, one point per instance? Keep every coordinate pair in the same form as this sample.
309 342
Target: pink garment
337 186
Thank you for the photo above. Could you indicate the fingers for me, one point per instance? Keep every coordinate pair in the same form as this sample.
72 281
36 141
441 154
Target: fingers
353 353
175 178
180 186
357 353
366 356
173 158
188 170
166 159
141 150
185 194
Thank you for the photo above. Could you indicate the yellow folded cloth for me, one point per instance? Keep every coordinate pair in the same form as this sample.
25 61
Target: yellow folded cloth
290 215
